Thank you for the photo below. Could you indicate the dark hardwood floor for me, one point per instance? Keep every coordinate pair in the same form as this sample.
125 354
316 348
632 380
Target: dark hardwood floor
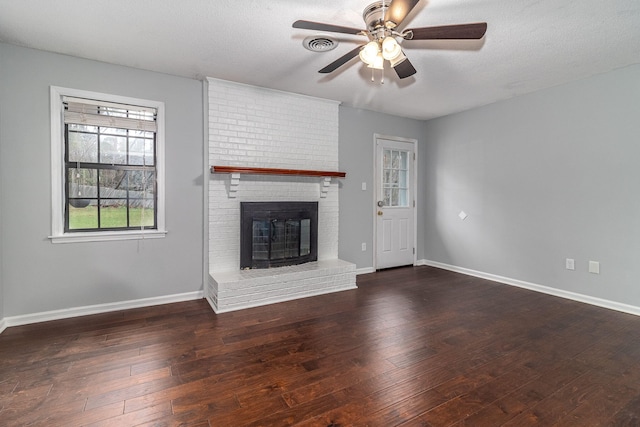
411 347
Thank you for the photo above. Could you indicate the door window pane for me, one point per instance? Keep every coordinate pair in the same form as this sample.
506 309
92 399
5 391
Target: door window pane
395 185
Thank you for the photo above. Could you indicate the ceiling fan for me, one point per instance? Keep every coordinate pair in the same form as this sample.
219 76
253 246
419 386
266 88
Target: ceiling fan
382 20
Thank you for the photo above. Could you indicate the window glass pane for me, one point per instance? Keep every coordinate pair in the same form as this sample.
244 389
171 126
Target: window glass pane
113 213
83 147
140 134
140 151
82 183
82 128
140 184
387 197
403 160
149 154
402 179
113 131
113 149
394 197
395 159
141 213
82 217
113 183
394 178
386 162
149 188
402 197
387 178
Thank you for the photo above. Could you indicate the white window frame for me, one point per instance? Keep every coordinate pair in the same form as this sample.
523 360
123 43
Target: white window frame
58 234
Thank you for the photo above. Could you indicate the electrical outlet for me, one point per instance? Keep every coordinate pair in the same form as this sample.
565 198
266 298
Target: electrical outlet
570 264
364 247
364 186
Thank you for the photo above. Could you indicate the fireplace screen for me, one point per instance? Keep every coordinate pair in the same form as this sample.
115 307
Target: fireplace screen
278 233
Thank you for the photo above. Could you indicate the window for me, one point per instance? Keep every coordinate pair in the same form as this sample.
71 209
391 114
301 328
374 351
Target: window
395 185
107 166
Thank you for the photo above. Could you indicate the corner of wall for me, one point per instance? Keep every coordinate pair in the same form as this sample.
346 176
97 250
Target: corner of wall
2 126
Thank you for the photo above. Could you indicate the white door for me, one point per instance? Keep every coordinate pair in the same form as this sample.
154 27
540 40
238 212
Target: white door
395 205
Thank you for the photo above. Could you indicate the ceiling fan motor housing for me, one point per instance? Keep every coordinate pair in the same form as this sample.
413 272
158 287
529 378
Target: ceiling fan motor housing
373 16
377 28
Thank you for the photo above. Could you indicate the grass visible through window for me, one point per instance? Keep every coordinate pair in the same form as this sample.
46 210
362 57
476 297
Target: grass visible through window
111 217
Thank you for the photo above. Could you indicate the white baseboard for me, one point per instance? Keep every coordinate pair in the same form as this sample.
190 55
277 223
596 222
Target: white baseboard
365 270
146 302
612 305
95 309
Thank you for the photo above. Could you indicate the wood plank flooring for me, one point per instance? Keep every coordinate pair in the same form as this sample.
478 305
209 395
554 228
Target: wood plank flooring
411 347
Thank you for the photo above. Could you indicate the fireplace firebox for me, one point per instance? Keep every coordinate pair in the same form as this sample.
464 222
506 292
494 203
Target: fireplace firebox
275 234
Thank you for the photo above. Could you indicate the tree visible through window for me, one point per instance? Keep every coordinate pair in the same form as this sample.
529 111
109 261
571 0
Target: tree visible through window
109 166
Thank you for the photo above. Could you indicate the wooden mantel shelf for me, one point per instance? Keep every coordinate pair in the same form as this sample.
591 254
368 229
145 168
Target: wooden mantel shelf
275 171
236 171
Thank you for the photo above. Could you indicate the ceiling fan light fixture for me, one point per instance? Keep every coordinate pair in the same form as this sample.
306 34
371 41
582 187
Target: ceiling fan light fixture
390 48
378 63
383 38
369 52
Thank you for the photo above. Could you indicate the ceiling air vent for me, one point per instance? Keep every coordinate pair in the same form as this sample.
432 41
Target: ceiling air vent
319 43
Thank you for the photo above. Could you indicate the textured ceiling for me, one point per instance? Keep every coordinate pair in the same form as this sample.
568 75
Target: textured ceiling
529 45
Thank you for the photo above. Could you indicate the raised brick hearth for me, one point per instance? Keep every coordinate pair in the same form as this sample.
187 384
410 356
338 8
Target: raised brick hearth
234 290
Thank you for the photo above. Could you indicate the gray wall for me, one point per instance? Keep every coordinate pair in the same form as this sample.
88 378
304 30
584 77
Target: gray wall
2 204
39 276
357 128
543 177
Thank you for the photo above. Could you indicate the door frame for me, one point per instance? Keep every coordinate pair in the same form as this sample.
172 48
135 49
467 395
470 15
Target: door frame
414 182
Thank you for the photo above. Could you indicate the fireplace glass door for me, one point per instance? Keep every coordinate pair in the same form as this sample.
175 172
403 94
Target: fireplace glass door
278 233
280 239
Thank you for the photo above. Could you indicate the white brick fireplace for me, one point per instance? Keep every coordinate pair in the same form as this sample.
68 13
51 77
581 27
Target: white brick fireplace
257 127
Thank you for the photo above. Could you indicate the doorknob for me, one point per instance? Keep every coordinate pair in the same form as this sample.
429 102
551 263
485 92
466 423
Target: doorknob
379 213
380 204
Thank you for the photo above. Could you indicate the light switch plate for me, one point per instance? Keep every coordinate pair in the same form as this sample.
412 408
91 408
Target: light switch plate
462 215
594 267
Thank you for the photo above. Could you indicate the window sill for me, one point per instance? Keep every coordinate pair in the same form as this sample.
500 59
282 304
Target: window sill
107 236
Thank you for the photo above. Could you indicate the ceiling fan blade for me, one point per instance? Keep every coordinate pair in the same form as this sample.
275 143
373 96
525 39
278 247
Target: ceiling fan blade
399 9
460 31
405 69
341 61
309 25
